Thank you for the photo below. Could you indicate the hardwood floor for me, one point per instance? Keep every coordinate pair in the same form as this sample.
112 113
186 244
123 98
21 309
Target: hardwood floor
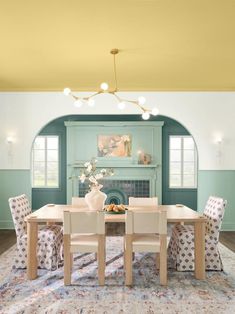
8 238
227 238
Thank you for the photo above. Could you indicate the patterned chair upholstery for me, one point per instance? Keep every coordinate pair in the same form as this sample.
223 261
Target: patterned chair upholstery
181 246
50 238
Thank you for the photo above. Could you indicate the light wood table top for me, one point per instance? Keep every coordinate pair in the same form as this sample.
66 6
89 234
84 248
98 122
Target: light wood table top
49 213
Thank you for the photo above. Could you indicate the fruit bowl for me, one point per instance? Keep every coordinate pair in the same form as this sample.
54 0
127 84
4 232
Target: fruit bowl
113 209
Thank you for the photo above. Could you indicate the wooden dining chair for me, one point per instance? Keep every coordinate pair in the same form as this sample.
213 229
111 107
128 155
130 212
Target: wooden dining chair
50 238
181 246
79 201
84 231
146 231
143 201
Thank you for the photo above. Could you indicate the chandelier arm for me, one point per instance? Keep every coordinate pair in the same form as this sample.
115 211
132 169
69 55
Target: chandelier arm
97 93
137 104
116 96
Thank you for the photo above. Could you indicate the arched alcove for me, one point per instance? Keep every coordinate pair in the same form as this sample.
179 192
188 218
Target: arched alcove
57 127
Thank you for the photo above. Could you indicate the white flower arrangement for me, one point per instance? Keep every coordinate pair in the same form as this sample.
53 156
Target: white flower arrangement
90 173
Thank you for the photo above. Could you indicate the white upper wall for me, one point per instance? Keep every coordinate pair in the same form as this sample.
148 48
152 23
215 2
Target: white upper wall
208 116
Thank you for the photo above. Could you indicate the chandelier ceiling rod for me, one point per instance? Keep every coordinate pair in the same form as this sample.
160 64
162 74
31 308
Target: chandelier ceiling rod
104 88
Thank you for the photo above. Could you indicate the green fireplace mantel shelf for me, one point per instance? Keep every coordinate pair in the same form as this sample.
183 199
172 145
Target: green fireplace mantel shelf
81 165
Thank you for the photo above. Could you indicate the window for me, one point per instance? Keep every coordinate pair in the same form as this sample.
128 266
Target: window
45 162
183 162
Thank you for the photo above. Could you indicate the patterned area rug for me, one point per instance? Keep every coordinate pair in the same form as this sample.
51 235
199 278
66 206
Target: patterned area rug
183 294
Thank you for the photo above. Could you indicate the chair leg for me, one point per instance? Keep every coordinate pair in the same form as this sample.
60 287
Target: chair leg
163 260
128 260
71 260
133 256
67 260
158 261
101 260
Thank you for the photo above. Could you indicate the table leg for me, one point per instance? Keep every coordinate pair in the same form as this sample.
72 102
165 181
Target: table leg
32 239
199 251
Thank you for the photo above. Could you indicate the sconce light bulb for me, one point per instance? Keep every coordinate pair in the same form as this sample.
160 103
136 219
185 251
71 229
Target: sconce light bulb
141 100
145 115
104 86
121 105
155 111
78 103
67 91
9 140
91 102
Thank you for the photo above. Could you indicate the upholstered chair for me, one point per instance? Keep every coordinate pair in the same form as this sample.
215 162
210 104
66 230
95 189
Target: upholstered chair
50 238
146 231
84 232
143 201
181 246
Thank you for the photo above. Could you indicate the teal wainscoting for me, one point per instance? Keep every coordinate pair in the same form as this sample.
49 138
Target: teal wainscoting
12 183
218 183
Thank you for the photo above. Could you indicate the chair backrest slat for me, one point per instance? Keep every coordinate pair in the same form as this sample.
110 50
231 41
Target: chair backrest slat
146 221
79 201
143 201
84 222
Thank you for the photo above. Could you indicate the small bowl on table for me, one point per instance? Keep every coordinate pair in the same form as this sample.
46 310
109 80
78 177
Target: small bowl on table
114 209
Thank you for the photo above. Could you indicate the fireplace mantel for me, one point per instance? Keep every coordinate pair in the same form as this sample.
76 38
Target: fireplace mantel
115 165
82 146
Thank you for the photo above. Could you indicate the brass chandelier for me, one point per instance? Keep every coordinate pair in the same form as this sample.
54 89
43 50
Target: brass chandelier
104 88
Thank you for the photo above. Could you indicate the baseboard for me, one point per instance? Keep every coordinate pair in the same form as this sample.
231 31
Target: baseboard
228 226
6 224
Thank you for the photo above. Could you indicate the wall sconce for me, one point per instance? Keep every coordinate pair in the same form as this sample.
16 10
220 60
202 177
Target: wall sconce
218 142
10 141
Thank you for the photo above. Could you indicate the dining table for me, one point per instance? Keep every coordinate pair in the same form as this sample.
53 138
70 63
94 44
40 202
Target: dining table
51 214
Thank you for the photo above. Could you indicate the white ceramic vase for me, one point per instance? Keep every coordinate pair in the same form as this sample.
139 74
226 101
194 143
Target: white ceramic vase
95 199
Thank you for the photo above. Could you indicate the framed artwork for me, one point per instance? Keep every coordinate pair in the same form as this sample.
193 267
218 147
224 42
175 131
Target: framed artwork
114 145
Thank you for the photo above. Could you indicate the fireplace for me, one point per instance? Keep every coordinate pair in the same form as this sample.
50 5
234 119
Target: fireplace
119 191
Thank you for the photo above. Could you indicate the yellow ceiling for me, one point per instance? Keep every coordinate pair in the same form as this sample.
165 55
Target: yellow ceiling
166 45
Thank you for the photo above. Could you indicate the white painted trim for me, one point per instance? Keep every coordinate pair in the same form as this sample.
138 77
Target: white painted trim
6 224
226 226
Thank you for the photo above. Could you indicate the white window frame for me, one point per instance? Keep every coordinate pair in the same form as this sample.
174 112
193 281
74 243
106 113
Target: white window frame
45 186
182 163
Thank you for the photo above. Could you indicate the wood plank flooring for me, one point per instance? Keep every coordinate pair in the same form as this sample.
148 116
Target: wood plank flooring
8 238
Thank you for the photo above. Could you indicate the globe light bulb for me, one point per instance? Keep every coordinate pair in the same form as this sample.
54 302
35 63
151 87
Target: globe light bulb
91 102
155 111
145 115
67 91
104 86
141 100
121 105
78 103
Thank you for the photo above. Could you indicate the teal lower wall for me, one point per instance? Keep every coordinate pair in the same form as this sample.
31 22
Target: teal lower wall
210 182
218 183
12 183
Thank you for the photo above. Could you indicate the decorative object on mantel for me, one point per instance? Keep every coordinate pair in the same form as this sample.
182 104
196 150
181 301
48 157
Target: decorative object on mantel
104 88
95 199
144 159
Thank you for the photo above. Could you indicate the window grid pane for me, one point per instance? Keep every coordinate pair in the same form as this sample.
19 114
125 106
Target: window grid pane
45 161
182 167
